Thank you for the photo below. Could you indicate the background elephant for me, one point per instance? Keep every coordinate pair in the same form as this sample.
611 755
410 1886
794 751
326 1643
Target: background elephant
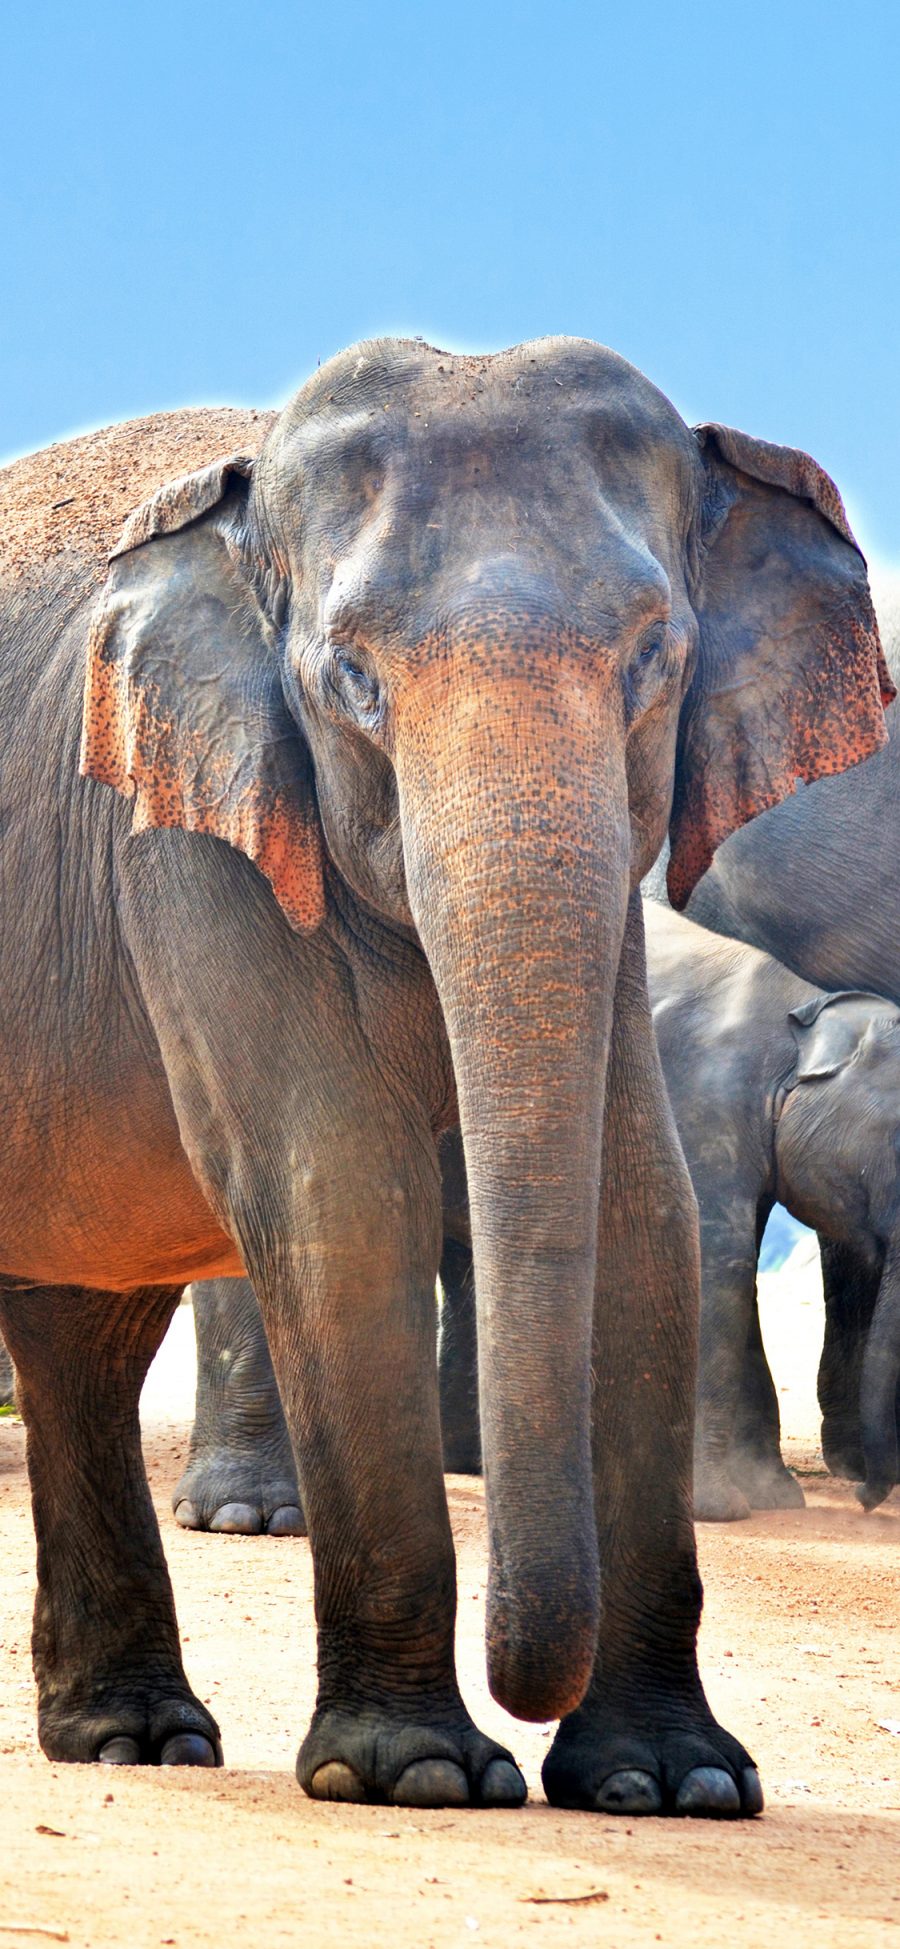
816 883
779 1090
396 707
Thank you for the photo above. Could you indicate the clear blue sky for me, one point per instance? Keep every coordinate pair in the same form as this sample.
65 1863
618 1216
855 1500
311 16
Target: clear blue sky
201 198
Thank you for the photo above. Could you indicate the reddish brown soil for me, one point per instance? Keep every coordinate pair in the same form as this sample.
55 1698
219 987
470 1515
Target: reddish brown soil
799 1652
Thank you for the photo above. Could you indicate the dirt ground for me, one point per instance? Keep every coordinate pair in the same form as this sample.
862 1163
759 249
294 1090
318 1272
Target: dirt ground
799 1651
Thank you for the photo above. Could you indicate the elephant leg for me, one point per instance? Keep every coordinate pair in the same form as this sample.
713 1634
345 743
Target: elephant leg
314 1147
345 1275
756 1461
851 1290
7 1378
240 1477
111 1685
644 1739
458 1362
728 1291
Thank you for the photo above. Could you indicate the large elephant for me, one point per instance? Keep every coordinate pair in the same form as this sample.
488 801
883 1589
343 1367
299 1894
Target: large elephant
779 1089
392 714
816 883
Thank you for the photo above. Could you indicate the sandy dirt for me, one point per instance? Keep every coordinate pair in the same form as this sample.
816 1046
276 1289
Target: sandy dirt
799 1651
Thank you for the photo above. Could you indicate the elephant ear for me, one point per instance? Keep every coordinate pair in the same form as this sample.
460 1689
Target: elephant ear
831 1028
790 680
184 709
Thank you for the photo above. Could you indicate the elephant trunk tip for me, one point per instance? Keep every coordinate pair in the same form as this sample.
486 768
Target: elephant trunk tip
540 1657
871 1493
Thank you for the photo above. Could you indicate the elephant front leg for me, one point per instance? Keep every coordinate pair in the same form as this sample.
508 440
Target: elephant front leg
737 1458
350 1317
756 1460
851 1291
111 1685
240 1477
728 1271
644 1740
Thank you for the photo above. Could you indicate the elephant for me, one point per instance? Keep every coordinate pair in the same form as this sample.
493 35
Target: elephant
325 804
816 883
780 1090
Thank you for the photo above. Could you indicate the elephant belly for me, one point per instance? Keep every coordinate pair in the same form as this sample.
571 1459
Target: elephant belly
102 1195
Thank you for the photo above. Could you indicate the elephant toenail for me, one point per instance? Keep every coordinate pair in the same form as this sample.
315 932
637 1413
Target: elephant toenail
502 1785
629 1792
187 1515
237 1519
751 1791
336 1781
120 1752
708 1792
286 1521
431 1783
188 1749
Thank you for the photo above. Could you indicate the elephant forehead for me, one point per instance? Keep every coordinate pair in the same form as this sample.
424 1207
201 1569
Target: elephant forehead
443 421
383 372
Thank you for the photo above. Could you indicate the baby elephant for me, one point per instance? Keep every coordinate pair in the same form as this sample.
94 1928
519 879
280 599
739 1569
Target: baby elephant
780 1092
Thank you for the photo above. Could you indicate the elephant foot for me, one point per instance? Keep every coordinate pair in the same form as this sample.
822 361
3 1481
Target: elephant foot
132 1725
842 1448
767 1484
678 1764
716 1498
370 1757
872 1493
238 1494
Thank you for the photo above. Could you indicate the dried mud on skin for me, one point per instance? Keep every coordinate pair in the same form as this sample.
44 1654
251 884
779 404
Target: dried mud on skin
799 1650
77 494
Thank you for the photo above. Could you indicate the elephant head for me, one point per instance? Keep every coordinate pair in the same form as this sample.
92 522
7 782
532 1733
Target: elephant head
837 1147
455 637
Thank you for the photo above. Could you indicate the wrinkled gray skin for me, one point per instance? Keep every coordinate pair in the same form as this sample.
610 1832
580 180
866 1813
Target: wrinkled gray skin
816 883
780 1091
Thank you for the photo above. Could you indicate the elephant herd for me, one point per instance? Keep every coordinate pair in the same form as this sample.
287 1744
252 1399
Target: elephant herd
336 746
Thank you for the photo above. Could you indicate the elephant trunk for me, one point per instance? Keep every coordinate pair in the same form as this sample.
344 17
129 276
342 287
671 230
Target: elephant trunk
517 841
878 1397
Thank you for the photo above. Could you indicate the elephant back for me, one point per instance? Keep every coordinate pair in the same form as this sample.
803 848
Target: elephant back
73 498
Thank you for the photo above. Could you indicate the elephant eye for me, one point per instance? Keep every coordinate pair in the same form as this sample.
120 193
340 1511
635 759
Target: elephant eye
354 683
353 673
647 670
652 647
